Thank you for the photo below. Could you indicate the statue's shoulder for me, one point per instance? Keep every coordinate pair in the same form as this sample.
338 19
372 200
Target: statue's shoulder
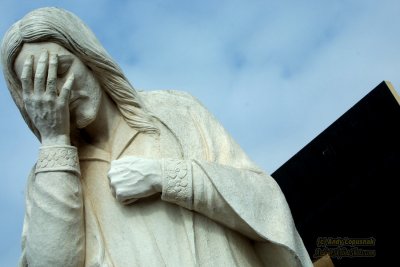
169 98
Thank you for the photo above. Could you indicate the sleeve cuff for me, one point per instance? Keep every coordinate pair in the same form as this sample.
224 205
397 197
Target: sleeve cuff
58 158
177 182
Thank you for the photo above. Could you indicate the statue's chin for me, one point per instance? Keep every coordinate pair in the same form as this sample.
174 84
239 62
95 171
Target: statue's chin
82 121
87 111
85 114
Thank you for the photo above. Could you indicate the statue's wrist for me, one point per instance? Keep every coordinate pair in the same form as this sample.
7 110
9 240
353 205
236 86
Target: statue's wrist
57 140
58 158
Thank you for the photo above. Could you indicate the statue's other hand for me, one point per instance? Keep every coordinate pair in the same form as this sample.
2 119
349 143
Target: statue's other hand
132 178
47 108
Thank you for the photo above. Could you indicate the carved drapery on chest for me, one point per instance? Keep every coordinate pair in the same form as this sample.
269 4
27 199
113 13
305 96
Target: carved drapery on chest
113 230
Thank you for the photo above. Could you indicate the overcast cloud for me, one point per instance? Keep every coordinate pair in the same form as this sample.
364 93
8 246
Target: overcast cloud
275 73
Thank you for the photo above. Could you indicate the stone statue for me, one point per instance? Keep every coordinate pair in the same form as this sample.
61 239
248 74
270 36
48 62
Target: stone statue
132 179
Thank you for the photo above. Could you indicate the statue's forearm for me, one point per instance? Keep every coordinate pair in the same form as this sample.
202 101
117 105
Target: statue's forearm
189 186
55 235
56 228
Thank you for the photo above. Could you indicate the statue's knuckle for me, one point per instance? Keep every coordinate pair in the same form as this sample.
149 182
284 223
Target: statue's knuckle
25 80
118 192
35 98
48 99
39 78
61 102
26 98
51 82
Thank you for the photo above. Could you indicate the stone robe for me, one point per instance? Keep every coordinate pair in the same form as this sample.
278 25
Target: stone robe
217 207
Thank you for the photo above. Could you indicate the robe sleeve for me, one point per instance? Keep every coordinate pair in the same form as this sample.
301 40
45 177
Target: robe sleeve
225 185
53 230
217 179
243 200
23 262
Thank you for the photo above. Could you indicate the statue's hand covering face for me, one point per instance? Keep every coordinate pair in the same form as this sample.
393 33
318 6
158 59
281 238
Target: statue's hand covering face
85 96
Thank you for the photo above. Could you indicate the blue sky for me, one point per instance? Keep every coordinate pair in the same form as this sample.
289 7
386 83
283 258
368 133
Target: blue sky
275 73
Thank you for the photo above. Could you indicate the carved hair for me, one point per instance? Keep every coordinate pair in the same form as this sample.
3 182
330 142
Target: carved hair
64 28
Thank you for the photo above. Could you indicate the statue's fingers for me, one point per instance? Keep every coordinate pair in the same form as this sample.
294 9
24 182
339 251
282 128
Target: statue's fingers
40 74
129 201
125 161
112 188
26 77
122 195
51 87
66 89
